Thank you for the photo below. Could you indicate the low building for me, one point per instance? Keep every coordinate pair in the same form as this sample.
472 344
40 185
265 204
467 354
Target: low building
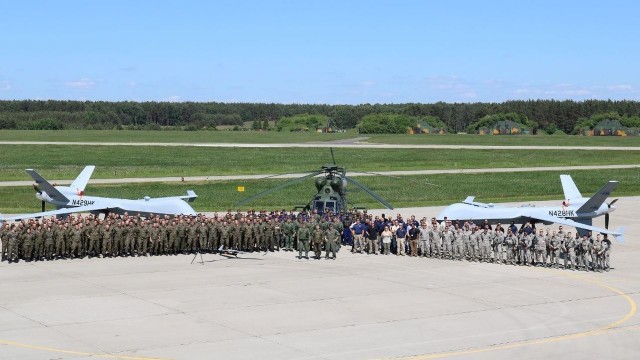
610 128
506 127
423 127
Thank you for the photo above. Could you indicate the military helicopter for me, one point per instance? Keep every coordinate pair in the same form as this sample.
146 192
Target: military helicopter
332 189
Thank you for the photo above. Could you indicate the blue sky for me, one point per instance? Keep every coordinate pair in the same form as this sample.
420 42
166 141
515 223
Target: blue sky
335 52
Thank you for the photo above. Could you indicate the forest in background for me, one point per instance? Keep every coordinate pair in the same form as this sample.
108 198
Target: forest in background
565 115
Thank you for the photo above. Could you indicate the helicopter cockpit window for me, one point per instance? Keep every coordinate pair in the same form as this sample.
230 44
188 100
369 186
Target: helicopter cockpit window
319 205
330 205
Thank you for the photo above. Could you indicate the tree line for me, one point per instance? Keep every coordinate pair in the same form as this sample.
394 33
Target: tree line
57 114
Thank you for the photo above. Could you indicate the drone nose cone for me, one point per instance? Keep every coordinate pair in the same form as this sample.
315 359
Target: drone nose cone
612 208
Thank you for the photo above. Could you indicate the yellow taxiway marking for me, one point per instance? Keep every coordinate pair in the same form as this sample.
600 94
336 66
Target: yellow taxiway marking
633 309
73 352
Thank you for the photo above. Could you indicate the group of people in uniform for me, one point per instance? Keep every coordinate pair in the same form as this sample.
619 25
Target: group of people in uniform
78 236
466 240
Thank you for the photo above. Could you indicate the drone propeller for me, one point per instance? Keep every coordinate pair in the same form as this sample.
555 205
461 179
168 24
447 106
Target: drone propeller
42 202
281 186
370 192
606 216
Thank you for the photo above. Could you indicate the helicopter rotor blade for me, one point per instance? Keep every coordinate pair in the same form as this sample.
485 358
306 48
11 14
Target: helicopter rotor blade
332 157
392 176
284 174
370 192
281 186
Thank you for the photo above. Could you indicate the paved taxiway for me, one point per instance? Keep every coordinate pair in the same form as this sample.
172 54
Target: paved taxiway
351 174
356 307
345 143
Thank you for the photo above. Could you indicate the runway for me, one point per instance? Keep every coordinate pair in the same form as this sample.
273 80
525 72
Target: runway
356 307
351 174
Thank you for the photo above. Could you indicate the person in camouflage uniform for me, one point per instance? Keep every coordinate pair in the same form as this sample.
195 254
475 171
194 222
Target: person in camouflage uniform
13 244
270 231
75 250
4 237
38 242
174 241
214 235
49 241
80 235
224 235
235 235
554 249
510 243
28 242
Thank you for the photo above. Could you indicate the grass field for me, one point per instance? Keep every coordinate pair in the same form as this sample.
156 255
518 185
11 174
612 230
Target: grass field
65 162
538 140
401 192
58 162
287 137
128 136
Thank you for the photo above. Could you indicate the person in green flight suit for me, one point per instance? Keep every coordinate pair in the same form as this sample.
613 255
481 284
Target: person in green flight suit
303 240
331 238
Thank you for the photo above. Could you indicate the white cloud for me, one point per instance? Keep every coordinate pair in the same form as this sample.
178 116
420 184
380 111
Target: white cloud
173 98
496 83
577 92
5 85
620 87
84 83
444 82
527 91
453 85
569 90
